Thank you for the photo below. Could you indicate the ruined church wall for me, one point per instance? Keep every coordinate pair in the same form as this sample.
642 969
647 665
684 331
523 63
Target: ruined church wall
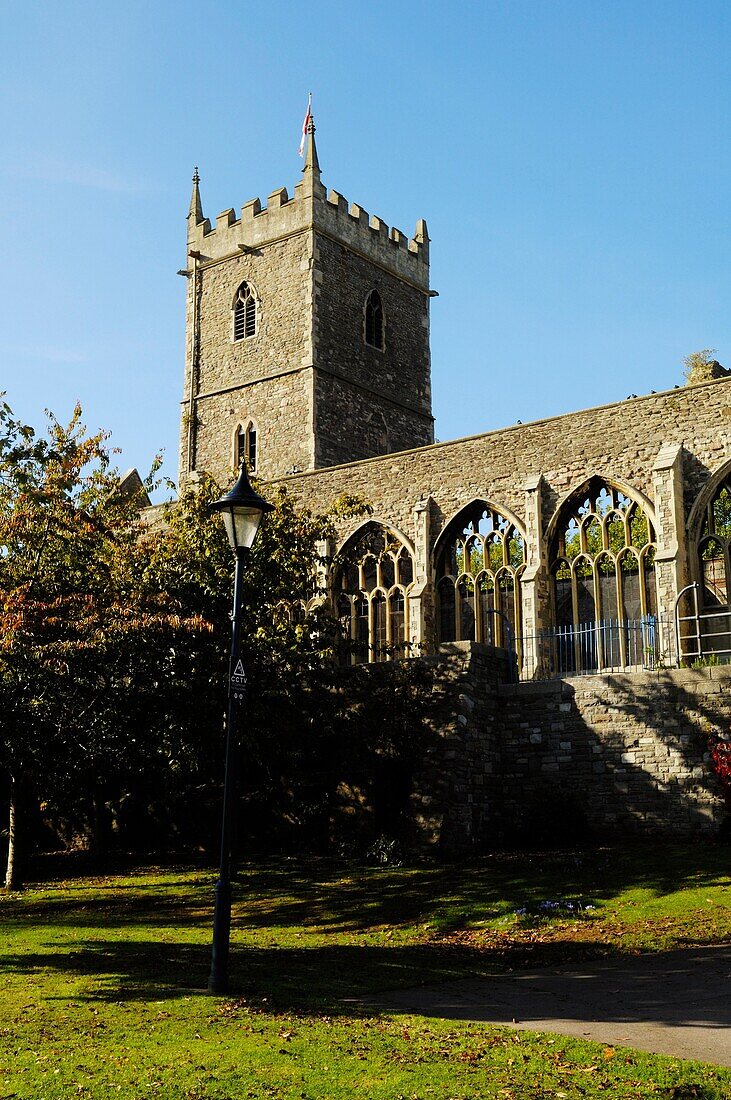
619 441
604 756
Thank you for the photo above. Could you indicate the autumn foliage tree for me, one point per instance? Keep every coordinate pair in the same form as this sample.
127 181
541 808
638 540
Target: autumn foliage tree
76 623
114 639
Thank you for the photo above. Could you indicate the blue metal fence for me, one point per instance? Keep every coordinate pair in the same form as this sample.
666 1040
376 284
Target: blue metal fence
594 647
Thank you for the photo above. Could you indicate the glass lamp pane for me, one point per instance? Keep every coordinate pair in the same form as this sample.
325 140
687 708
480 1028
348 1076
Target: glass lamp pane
241 526
246 522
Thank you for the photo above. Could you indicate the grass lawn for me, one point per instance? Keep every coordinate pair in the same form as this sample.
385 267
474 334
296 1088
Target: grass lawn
104 978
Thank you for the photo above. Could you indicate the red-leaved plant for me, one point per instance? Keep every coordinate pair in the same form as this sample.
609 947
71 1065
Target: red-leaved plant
721 759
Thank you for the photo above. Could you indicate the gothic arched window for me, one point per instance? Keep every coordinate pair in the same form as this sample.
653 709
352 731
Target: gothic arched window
602 561
245 446
714 546
374 326
244 313
374 574
479 565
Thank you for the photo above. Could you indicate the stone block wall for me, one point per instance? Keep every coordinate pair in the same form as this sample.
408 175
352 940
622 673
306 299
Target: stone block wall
281 411
597 757
594 758
350 416
281 279
601 756
453 787
263 376
626 754
362 388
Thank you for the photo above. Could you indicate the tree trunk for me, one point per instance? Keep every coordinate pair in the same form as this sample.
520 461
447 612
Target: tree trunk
12 878
99 824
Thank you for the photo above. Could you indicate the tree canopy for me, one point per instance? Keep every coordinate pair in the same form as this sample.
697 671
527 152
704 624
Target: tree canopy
114 632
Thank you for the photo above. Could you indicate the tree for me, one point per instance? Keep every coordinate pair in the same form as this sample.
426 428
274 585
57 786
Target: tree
702 366
114 635
291 658
75 621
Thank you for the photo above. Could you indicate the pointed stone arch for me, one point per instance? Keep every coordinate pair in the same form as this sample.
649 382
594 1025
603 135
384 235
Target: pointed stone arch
709 542
601 559
246 444
374 320
478 561
698 511
623 487
245 312
372 578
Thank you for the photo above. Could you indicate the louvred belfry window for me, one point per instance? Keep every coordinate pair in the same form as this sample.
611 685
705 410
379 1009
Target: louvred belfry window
374 320
244 313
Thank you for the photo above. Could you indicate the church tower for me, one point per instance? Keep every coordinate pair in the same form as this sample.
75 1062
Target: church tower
307 330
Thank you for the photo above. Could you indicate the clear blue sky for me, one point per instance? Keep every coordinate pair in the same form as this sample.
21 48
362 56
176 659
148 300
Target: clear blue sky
571 160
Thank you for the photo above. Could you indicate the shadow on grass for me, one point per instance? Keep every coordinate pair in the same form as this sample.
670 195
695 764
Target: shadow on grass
338 896
339 980
107 904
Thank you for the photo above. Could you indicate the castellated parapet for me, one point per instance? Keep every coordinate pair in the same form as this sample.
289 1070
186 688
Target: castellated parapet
312 207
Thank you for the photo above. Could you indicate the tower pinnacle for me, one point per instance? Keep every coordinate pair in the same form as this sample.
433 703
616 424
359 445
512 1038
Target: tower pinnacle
196 208
311 164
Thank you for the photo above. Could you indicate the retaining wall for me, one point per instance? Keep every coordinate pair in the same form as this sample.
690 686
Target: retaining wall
601 756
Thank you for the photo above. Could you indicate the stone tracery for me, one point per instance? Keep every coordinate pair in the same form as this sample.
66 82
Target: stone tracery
714 546
244 312
602 561
479 565
373 575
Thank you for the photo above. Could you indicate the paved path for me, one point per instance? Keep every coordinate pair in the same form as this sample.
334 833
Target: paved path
675 1003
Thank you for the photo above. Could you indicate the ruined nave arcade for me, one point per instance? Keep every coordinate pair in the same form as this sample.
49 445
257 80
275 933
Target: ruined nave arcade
567 540
572 581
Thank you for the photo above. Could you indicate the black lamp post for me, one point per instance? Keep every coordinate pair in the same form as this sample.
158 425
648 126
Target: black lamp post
242 510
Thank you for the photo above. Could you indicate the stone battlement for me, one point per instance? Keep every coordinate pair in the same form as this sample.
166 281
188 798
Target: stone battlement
311 207
355 228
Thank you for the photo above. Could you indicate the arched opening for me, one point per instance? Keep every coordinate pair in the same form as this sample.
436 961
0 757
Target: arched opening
374 321
373 575
603 572
246 447
712 567
244 312
479 561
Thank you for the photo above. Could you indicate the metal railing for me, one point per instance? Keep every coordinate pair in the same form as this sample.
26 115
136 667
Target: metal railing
703 634
610 645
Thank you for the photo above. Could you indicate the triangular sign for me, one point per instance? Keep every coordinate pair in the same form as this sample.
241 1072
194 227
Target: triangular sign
239 670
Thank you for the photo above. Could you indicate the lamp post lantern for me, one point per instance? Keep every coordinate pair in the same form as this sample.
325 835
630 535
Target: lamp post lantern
242 510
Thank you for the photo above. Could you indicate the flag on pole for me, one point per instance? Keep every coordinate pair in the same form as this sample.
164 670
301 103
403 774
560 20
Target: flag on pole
306 125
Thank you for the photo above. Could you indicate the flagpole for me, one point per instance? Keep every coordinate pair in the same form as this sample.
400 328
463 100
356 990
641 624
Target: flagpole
306 125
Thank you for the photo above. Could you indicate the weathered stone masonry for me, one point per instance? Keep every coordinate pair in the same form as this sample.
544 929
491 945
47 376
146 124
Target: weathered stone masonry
662 449
318 393
610 755
334 414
